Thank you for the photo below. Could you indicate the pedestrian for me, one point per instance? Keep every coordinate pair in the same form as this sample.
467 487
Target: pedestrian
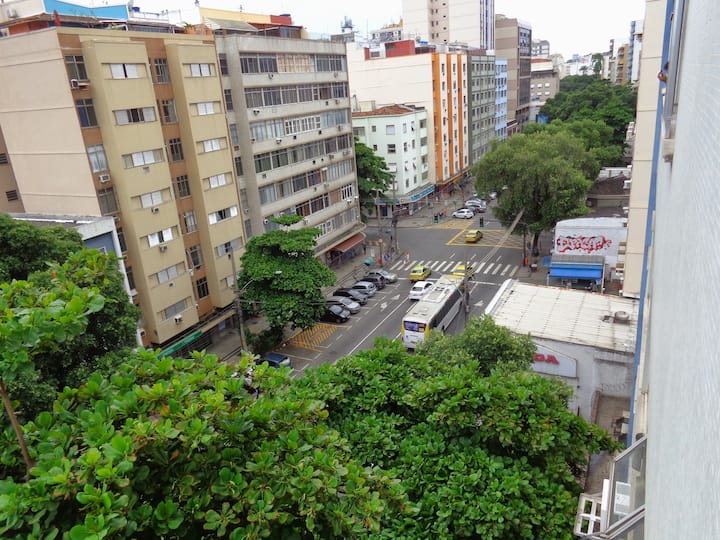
364 249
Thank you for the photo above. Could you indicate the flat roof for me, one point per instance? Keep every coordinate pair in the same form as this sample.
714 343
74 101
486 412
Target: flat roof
603 321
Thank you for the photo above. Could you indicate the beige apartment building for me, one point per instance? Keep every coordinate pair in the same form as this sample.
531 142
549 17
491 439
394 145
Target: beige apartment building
513 42
466 22
129 125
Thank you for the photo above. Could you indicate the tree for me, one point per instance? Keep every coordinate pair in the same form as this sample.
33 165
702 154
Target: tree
481 341
545 176
597 64
27 248
281 274
31 318
372 175
181 448
108 332
492 457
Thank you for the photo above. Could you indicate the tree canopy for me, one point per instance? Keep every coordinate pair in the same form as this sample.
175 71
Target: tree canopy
544 175
372 175
280 273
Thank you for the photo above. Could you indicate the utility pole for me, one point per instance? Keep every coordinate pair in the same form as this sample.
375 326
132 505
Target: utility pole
236 300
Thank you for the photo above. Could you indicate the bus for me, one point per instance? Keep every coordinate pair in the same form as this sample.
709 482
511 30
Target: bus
436 310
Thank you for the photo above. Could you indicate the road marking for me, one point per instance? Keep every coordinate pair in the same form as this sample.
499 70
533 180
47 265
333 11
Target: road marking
488 268
506 269
481 303
383 305
396 297
372 332
480 266
499 266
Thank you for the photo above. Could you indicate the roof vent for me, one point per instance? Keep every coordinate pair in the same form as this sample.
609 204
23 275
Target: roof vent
622 317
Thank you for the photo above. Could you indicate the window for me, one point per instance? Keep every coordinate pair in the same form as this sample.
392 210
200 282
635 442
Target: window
175 309
151 199
134 116
222 215
228 99
218 180
138 159
238 166
227 247
195 256
189 221
211 145
167 109
390 148
159 237
249 64
201 286
98 160
423 124
359 131
162 74
175 150
234 139
373 129
205 107
201 70
76 67
390 129
108 202
167 274
12 195
222 60
86 112
131 277
124 71
182 186
121 240
375 147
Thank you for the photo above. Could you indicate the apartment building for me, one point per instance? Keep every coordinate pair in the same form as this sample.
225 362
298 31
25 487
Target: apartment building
544 84
129 125
434 77
466 22
513 39
540 48
501 99
481 82
398 134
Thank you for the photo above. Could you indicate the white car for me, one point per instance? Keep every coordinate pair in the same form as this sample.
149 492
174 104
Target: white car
419 289
463 213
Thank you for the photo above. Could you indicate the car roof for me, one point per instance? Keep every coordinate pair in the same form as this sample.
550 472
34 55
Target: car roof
472 231
274 356
421 284
361 282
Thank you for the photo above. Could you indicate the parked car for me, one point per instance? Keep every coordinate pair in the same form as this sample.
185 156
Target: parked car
493 195
356 295
419 289
473 235
461 271
365 287
418 273
348 303
376 279
390 277
476 205
463 213
335 314
275 360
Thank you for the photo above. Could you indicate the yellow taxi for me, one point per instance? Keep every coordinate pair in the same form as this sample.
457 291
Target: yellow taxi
473 235
418 273
462 271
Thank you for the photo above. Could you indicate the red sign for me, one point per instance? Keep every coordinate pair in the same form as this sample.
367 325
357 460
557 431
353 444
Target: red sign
547 358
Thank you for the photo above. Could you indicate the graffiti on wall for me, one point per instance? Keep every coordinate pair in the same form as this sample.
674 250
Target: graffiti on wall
586 244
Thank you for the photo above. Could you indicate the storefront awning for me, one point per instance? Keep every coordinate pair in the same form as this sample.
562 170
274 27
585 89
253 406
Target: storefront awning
586 271
350 243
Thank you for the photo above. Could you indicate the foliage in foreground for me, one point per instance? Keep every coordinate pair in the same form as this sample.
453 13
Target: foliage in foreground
177 449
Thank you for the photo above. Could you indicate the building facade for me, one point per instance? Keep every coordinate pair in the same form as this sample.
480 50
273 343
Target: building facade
513 40
501 99
481 82
468 22
544 84
540 48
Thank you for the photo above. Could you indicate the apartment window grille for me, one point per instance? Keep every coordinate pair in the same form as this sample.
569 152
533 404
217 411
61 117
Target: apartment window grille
195 257
234 139
175 150
222 60
201 287
167 109
228 99
130 277
86 112
98 159
182 186
190 221
75 65
238 166
162 73
121 239
107 201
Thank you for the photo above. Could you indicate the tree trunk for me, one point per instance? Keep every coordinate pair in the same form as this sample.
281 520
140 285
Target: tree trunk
29 464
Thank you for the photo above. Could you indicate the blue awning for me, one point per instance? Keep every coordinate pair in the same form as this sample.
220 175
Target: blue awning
585 271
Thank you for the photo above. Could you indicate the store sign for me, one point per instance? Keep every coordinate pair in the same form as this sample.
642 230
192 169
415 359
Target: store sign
551 363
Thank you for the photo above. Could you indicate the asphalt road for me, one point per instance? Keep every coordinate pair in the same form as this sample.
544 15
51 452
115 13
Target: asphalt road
440 246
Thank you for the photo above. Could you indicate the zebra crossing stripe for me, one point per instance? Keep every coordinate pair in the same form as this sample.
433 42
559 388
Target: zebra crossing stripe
499 266
480 266
445 266
505 270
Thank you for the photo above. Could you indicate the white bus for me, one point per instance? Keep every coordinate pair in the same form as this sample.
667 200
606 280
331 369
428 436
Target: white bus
436 310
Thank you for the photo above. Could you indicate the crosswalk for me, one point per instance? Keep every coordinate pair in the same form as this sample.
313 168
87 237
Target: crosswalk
446 267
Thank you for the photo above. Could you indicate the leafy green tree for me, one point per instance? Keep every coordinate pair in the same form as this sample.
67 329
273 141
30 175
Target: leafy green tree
546 176
26 248
30 319
372 175
491 457
597 64
182 448
482 341
281 275
108 331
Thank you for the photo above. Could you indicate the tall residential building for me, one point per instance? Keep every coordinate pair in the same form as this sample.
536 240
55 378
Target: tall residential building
468 22
288 111
398 134
428 76
501 99
513 40
621 69
634 50
540 48
129 125
544 84
481 82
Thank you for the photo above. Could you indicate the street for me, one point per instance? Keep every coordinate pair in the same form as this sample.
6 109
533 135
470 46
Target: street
438 246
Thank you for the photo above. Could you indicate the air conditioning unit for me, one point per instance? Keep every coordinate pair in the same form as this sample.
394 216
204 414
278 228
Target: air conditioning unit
627 184
327 184
155 209
271 75
278 140
335 74
177 319
252 140
104 178
346 152
12 14
337 101
236 147
191 272
264 175
256 111
163 248
171 284
247 210
74 83
339 128
331 156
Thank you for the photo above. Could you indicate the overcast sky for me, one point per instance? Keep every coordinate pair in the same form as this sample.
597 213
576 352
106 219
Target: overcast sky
571 26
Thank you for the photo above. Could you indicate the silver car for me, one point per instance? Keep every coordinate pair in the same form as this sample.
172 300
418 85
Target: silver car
365 287
348 303
390 277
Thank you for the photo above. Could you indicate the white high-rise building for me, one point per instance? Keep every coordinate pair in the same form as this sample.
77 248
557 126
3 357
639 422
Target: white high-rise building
471 22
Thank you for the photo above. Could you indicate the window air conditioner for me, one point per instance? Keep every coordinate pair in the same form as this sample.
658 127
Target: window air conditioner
154 209
271 75
163 248
104 178
337 101
256 111
331 156
142 332
74 83
178 319
335 74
